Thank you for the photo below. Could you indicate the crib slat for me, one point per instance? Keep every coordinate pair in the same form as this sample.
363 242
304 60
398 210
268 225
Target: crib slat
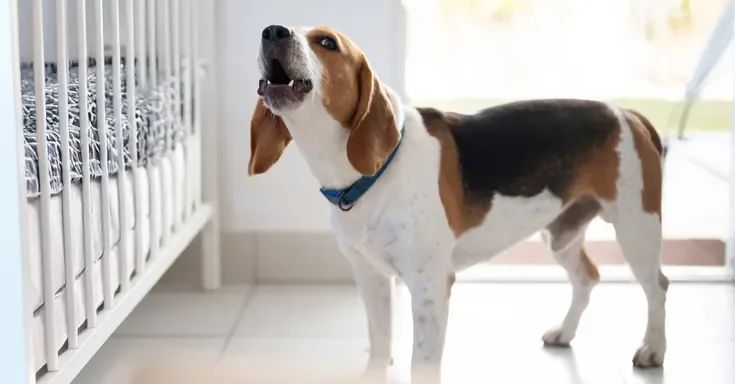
195 67
152 54
165 56
69 259
197 110
165 28
185 60
108 288
176 63
133 23
140 41
89 256
49 285
155 204
122 180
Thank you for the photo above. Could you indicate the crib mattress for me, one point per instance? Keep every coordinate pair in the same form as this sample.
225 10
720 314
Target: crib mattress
56 234
167 182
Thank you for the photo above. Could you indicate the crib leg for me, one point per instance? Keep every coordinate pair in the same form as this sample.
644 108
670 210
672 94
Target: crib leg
211 264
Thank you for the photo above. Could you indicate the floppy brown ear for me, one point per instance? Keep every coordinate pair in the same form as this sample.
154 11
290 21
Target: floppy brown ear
374 132
268 139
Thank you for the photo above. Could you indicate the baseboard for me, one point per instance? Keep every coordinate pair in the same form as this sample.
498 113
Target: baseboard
299 257
268 257
238 262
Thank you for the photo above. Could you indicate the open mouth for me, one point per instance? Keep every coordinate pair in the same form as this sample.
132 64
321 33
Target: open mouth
276 77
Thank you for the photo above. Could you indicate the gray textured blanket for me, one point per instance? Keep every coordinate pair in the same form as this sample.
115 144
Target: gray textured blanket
154 113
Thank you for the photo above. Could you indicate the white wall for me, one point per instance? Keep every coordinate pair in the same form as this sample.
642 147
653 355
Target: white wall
287 198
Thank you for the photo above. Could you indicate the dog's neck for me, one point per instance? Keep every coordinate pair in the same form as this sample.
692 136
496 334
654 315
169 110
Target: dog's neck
322 141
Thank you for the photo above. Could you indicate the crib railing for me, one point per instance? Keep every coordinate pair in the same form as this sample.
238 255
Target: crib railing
14 353
155 41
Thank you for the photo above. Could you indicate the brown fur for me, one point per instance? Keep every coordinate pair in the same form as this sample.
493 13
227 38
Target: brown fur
461 215
353 95
598 177
269 137
655 139
589 268
648 146
576 216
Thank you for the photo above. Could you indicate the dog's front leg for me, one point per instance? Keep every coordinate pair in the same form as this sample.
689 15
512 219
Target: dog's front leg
429 290
376 290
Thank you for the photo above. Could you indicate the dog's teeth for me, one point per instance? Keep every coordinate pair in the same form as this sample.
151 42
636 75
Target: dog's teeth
269 82
290 83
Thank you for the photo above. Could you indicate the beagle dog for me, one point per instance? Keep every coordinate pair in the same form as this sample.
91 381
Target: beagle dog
419 193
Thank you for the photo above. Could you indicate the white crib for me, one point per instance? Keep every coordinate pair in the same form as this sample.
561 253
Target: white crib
106 198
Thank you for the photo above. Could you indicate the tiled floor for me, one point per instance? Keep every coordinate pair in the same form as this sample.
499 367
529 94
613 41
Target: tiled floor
494 334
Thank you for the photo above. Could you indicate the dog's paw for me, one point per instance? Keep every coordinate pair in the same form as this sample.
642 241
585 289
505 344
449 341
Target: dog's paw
649 355
557 337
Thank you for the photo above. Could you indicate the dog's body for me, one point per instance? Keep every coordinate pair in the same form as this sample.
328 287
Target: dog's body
459 189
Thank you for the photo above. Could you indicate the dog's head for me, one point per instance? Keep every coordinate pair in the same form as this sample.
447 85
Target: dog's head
319 71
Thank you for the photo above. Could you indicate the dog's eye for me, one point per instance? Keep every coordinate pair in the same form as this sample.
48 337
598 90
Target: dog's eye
328 43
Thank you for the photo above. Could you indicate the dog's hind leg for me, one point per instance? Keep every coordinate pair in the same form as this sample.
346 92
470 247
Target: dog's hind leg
639 236
636 215
565 237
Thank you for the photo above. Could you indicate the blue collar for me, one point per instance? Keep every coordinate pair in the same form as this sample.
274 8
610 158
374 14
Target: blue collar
345 198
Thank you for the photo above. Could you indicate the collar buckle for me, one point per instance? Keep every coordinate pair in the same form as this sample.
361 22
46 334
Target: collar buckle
344 206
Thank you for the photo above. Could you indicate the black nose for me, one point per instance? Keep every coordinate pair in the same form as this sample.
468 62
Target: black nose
275 33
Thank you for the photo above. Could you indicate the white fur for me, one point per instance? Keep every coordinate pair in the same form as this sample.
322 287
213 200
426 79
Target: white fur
399 228
511 219
639 235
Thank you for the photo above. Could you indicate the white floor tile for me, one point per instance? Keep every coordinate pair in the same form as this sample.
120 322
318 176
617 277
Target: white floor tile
118 349
304 311
523 363
333 355
185 314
